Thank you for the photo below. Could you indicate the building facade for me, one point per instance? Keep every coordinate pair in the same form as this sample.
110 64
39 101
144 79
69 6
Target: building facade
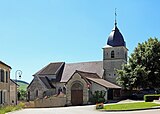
81 79
13 90
4 83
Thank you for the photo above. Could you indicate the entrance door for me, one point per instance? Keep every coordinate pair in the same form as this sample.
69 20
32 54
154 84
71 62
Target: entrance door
110 94
77 94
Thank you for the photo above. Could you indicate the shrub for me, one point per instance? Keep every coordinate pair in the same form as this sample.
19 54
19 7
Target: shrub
22 94
98 97
150 98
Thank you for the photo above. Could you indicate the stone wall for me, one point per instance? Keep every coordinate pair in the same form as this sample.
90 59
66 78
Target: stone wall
110 64
13 88
5 86
58 85
52 101
36 85
76 78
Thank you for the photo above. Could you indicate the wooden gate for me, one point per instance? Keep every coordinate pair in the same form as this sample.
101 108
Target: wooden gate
77 94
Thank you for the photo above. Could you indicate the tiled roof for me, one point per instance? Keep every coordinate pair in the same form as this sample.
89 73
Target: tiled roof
94 67
87 74
50 69
95 78
90 71
46 82
104 83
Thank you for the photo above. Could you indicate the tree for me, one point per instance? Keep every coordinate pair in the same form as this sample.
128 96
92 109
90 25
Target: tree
22 94
143 67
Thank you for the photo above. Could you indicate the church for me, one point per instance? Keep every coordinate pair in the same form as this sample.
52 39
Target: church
77 80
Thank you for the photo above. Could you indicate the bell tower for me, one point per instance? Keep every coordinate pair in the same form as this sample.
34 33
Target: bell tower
114 54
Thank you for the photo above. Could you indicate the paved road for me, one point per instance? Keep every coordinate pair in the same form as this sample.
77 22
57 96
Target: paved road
78 110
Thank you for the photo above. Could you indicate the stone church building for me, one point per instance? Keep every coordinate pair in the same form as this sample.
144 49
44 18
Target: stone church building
77 80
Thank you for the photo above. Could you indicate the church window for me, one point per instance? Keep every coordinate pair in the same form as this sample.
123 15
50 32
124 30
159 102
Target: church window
36 93
112 54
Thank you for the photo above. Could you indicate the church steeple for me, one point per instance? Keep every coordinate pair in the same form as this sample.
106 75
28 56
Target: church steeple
115 23
116 38
114 53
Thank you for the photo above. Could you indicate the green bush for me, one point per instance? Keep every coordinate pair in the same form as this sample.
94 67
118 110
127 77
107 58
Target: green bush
151 98
22 94
97 97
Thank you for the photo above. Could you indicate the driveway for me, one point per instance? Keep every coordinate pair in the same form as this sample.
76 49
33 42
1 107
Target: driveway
78 110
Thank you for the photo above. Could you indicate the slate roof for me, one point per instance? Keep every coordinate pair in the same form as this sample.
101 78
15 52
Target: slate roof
90 71
95 78
94 67
50 69
115 38
46 82
87 74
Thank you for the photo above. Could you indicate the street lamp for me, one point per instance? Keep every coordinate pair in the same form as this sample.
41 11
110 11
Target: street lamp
19 72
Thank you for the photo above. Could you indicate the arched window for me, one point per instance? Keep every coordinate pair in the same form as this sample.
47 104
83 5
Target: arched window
112 54
36 93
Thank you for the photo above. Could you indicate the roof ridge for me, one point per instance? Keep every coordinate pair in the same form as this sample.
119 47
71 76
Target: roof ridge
90 73
83 62
5 64
56 62
45 67
85 72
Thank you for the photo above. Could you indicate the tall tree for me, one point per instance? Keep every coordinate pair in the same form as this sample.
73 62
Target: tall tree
143 67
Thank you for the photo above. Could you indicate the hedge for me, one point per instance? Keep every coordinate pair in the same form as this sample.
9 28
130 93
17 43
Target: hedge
151 98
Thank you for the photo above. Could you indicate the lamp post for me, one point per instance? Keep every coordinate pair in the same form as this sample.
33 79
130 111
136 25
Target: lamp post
19 72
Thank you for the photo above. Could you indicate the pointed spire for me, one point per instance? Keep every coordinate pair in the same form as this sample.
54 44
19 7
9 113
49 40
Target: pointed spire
115 17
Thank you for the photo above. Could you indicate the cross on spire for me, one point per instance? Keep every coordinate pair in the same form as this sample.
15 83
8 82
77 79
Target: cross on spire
115 17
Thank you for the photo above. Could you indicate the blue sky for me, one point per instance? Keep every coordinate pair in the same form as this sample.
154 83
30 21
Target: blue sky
34 33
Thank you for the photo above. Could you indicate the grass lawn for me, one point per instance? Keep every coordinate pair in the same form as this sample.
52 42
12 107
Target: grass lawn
22 86
130 106
5 109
